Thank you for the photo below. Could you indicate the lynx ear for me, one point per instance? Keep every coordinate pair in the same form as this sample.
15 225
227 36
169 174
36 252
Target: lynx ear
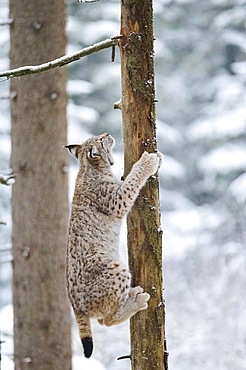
73 149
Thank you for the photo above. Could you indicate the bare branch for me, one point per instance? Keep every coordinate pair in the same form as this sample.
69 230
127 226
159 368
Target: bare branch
87 1
7 179
6 22
59 62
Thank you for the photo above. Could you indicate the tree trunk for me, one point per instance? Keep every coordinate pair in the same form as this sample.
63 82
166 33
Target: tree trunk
144 233
42 339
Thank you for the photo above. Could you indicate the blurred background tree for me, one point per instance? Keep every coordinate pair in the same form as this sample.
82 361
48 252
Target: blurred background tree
42 325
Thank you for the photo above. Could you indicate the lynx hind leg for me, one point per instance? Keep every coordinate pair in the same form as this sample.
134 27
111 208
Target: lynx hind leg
136 301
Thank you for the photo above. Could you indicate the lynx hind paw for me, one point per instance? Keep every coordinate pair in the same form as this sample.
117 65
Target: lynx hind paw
152 161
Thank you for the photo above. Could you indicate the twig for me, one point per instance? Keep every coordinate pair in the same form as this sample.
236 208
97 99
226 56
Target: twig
59 62
124 357
7 179
6 22
87 1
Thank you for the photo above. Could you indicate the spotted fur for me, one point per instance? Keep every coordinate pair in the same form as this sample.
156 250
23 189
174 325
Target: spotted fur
98 283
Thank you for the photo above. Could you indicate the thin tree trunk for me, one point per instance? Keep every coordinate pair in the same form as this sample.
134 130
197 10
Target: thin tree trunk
144 233
42 339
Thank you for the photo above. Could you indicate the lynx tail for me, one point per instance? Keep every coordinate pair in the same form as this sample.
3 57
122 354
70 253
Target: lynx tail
85 333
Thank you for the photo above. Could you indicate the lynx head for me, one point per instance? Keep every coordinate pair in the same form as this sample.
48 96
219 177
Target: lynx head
96 151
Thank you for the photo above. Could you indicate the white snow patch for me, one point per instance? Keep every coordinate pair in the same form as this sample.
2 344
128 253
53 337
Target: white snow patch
224 20
5 146
78 135
77 87
80 362
171 168
184 230
194 219
230 124
105 76
174 200
82 114
239 68
238 189
7 363
6 324
91 33
6 320
234 37
6 330
167 134
224 159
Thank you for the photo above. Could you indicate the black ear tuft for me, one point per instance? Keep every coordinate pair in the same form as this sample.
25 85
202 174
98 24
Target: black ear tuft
73 149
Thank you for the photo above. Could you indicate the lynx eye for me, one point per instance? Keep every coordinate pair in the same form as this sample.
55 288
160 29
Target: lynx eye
93 154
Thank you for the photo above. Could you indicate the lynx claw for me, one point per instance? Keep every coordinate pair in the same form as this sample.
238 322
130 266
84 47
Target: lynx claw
135 291
160 156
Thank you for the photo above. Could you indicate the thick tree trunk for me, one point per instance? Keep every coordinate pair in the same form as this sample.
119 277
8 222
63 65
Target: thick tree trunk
144 233
42 339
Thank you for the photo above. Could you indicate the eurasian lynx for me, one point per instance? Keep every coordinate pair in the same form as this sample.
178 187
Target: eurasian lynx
98 283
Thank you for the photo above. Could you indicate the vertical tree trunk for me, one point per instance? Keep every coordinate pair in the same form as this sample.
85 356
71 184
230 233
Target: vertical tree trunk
144 233
42 339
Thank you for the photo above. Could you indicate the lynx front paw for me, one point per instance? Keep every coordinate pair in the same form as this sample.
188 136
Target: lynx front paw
140 297
142 301
151 161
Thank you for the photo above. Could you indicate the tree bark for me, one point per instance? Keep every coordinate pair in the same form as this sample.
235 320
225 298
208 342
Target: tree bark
42 338
144 232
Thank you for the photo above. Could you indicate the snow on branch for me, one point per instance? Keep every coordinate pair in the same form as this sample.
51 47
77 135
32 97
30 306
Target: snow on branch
59 62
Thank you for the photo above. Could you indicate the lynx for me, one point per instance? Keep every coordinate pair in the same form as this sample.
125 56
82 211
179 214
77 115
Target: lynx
98 283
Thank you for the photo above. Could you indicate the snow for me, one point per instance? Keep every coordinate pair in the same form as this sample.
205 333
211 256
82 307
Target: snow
171 168
6 320
223 19
173 200
82 114
224 159
92 34
239 68
107 76
6 328
78 87
226 125
235 38
79 362
238 189
183 230
168 135
201 130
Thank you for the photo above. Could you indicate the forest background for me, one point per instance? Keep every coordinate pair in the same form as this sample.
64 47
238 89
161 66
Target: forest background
200 60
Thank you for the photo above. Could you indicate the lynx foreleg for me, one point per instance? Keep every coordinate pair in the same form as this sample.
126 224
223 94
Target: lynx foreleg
126 194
